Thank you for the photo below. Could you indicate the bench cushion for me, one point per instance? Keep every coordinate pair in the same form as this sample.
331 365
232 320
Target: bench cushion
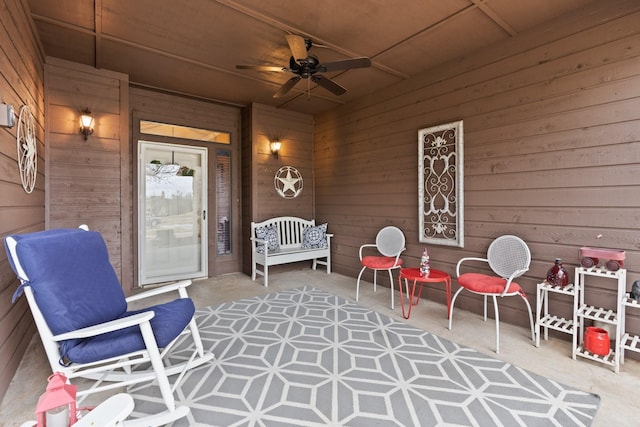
315 237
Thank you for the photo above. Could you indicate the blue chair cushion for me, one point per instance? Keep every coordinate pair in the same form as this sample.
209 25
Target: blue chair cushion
73 282
169 321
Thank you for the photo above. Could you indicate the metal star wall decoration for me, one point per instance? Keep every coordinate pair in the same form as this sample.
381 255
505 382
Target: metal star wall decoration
288 182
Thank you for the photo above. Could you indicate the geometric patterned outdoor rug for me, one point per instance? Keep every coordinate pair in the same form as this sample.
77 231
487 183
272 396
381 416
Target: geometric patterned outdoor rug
304 357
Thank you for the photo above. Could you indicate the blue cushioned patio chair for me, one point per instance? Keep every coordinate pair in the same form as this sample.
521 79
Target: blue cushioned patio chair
81 314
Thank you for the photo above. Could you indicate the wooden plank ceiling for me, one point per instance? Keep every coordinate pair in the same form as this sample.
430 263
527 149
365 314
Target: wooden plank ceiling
192 47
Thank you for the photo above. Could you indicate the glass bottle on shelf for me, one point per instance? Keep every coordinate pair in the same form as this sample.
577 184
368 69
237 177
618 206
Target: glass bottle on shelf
558 275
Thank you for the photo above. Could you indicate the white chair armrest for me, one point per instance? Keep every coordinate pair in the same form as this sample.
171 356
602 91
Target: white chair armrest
514 275
366 245
398 256
103 328
178 286
468 259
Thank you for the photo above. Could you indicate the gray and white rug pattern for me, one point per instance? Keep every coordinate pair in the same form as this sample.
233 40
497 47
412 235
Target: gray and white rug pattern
304 357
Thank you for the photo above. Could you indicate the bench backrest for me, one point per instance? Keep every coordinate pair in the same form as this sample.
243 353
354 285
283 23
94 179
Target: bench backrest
289 229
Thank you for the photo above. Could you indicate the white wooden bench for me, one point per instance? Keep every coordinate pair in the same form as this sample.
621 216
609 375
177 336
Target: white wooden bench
286 237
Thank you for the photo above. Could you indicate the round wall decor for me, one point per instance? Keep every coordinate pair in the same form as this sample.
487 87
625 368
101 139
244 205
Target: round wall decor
288 182
27 149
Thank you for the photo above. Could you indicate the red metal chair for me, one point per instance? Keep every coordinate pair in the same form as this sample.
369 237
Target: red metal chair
509 258
390 245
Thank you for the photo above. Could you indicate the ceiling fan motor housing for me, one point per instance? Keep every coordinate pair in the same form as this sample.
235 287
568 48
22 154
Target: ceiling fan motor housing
304 68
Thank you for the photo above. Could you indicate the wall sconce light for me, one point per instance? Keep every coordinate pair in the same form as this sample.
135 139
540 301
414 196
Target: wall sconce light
86 123
275 148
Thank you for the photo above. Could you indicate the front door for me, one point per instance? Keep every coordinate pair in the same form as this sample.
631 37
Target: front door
172 238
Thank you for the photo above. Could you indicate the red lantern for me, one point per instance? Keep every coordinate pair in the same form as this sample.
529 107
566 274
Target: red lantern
57 406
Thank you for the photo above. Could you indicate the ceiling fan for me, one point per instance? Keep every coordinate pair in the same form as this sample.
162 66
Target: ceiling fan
307 66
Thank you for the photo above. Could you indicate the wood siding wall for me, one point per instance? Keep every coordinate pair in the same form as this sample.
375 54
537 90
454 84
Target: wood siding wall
552 151
21 83
87 180
260 200
168 108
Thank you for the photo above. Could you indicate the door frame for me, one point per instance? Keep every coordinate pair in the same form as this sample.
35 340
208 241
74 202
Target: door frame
217 265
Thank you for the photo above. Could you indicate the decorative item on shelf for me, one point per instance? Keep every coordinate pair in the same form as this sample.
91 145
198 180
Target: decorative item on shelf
635 290
86 123
57 406
425 267
590 257
558 275
596 341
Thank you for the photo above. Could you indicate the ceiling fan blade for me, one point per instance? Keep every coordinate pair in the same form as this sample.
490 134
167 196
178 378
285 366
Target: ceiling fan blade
329 84
271 68
346 64
286 87
298 47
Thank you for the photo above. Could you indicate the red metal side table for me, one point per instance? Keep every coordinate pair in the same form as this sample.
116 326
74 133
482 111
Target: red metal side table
434 276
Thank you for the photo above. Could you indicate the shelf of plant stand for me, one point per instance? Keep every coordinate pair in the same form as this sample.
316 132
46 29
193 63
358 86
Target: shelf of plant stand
609 359
598 313
570 289
602 272
630 341
552 321
557 323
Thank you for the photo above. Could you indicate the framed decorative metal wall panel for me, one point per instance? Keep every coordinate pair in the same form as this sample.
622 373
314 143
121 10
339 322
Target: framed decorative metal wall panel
441 184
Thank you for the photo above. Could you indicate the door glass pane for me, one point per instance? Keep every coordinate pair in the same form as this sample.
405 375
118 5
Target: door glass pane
184 132
223 201
172 234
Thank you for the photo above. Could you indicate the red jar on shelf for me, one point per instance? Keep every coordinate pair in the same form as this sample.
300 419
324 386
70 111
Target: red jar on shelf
596 341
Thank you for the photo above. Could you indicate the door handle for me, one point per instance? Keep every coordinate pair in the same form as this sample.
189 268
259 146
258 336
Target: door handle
204 215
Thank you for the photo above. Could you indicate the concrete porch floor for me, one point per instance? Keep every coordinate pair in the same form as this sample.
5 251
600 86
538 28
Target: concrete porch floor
619 404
